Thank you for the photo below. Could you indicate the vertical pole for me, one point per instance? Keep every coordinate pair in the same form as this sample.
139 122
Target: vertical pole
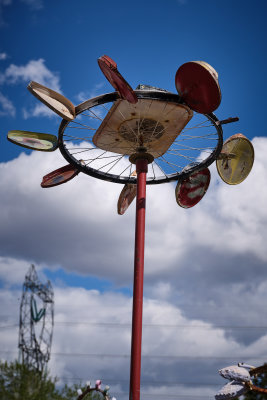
137 313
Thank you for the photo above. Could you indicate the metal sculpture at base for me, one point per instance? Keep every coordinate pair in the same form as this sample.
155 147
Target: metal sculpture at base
36 321
241 382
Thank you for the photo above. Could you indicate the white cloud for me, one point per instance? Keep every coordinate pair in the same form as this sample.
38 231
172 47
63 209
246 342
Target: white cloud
34 70
81 215
92 337
85 95
40 110
3 56
204 267
7 107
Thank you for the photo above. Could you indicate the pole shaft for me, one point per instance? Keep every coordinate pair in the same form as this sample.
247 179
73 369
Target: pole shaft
137 313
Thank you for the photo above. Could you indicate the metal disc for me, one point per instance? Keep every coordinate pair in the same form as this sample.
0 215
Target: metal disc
59 176
33 140
197 84
58 103
127 195
236 159
109 69
190 190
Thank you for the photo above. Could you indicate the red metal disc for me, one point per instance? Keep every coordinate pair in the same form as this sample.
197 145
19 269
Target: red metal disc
127 195
190 190
59 176
197 84
109 69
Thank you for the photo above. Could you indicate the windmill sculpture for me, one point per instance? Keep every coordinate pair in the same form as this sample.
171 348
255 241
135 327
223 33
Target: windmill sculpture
36 321
141 137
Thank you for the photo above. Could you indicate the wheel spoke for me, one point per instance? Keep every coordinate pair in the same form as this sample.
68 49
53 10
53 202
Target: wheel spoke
196 143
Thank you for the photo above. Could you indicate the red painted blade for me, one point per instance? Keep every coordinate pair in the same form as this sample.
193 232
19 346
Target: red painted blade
190 190
110 70
59 176
127 195
197 84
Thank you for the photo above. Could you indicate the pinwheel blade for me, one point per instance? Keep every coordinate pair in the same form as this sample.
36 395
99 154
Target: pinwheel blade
55 101
231 390
127 196
235 160
33 140
197 84
110 70
190 191
235 373
59 176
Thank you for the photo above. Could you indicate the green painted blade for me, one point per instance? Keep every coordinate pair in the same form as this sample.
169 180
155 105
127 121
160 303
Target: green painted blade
36 315
33 140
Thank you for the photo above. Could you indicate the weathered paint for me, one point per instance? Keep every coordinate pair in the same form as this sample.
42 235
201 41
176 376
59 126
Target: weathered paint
197 84
110 70
127 195
55 101
191 190
152 124
59 176
236 159
33 140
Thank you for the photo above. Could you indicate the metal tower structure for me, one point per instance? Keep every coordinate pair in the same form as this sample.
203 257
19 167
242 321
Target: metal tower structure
36 321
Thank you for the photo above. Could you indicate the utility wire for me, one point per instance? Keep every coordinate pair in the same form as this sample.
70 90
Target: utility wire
161 356
122 325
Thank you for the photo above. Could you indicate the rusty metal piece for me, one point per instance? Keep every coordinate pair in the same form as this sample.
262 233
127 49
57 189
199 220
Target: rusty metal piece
90 390
227 121
141 155
197 84
55 101
110 70
226 156
152 124
234 170
258 371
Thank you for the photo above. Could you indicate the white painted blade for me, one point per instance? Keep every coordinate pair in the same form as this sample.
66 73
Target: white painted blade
235 373
231 390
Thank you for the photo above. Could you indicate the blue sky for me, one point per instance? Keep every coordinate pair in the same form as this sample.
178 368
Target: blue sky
203 266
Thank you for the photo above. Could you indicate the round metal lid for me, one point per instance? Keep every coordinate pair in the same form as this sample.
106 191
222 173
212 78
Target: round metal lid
55 101
197 84
191 190
236 159
33 140
110 70
59 176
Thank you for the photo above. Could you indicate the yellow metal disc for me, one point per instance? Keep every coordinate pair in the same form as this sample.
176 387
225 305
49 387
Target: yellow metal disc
235 160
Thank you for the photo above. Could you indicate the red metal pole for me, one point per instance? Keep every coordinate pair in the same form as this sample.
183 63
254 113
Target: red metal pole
137 313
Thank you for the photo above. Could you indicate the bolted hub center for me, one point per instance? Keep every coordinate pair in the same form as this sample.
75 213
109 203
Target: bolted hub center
142 130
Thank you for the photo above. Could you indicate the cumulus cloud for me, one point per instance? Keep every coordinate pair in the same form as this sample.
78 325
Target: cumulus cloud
92 339
34 70
205 271
85 95
7 107
3 56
